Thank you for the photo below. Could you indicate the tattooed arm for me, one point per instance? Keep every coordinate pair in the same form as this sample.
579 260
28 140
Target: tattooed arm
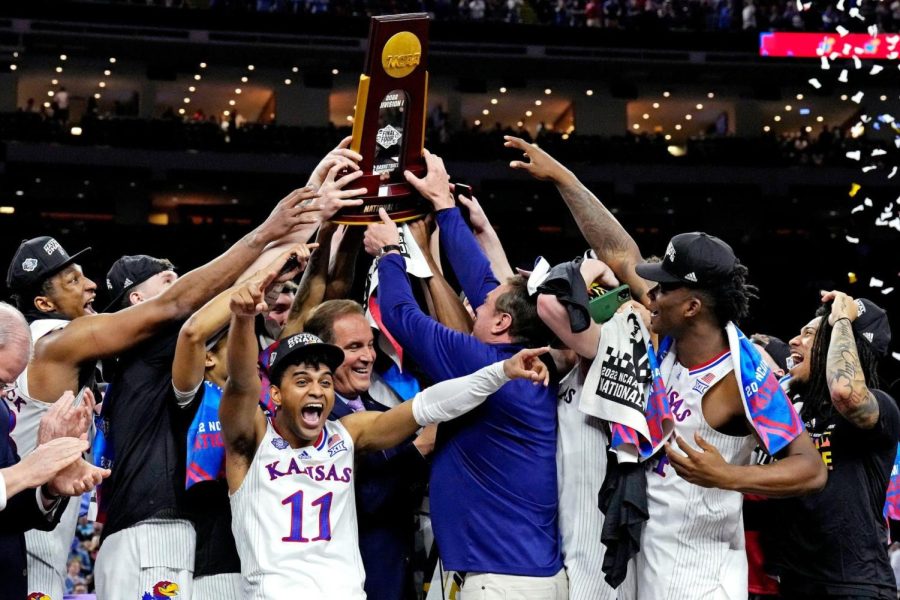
600 228
846 379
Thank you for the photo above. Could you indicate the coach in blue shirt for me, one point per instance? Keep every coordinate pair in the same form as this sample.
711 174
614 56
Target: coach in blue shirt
493 479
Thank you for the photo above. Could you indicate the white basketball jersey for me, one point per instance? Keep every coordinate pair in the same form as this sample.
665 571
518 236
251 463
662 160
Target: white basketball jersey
693 544
47 550
294 520
581 467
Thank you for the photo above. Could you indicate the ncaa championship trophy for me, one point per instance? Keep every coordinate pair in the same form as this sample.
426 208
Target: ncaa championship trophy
389 125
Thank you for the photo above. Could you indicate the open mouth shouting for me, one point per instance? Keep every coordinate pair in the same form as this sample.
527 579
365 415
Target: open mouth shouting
89 306
311 414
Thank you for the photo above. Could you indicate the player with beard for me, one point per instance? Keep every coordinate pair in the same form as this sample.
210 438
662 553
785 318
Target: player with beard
833 544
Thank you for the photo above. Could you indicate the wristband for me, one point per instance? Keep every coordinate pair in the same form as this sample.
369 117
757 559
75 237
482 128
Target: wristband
841 319
389 248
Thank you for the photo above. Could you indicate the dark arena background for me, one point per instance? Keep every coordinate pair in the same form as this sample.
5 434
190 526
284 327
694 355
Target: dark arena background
188 120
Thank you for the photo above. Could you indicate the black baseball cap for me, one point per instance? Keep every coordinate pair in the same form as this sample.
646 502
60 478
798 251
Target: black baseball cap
36 260
872 324
695 258
130 271
291 350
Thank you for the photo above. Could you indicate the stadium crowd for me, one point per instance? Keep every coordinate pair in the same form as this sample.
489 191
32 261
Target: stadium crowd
600 428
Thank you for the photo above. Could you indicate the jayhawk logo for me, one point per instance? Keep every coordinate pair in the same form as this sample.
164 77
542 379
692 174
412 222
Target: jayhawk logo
162 590
38 596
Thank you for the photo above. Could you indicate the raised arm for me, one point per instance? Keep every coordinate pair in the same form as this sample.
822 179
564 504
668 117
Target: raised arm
343 264
443 401
106 335
471 267
487 238
843 371
600 228
313 283
189 365
243 423
443 302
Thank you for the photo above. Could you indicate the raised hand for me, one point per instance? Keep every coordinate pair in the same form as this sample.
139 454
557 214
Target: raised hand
593 270
340 154
421 230
477 217
249 299
293 211
65 419
435 186
539 164
379 235
525 364
842 307
333 196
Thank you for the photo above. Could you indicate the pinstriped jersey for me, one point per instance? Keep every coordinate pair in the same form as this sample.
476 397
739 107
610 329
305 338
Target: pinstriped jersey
693 544
581 465
294 519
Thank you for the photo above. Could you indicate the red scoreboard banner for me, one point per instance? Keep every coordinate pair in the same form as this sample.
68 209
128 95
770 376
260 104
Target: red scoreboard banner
830 45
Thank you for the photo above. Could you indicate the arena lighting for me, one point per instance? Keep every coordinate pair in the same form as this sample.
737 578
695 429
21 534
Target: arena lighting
287 82
799 96
63 57
656 105
112 60
13 67
537 102
7 210
883 98
237 90
589 92
808 129
767 129
645 116
46 105
820 118
528 113
678 127
677 150
477 122
244 79
187 100
20 193
666 94
107 72
485 112
548 91
788 107
295 70
776 118
54 81
699 107
668 136
350 117
250 67
231 103
335 72
50 93
688 117
102 84
197 77
503 90
96 96
520 124
815 45
226 112
180 111
710 95
59 69
565 136
804 111
203 65
636 126
494 101
75 131
192 89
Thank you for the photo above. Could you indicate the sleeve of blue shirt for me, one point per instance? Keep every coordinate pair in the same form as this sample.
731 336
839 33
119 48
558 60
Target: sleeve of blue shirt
471 267
441 352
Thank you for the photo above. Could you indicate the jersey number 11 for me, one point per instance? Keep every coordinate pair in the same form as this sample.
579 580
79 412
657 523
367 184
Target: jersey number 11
296 502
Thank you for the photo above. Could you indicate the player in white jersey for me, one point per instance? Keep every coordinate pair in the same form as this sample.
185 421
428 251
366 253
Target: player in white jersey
291 477
581 451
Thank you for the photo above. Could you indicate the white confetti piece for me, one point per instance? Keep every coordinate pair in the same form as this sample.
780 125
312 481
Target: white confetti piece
893 55
847 49
843 76
868 202
892 173
879 152
865 118
857 97
840 5
857 63
852 240
873 30
892 41
857 209
815 83
854 12
799 6
858 50
868 168
896 355
897 141
842 31
875 282
876 69
887 291
834 55
824 63
854 155
895 224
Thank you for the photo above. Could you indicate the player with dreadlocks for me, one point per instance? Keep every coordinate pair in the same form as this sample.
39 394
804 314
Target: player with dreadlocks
834 543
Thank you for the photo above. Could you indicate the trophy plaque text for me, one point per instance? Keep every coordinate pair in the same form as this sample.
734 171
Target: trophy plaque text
389 125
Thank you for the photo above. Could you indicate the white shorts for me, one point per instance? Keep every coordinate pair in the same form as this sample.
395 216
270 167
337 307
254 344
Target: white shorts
491 586
155 557
48 552
225 586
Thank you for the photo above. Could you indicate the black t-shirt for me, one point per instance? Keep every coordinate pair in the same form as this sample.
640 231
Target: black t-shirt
147 434
210 510
834 542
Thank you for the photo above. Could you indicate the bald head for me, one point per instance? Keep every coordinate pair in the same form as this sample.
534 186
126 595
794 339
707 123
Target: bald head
15 343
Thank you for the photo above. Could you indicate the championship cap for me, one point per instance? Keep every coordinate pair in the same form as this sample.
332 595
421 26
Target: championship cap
695 258
872 323
130 271
293 349
36 260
